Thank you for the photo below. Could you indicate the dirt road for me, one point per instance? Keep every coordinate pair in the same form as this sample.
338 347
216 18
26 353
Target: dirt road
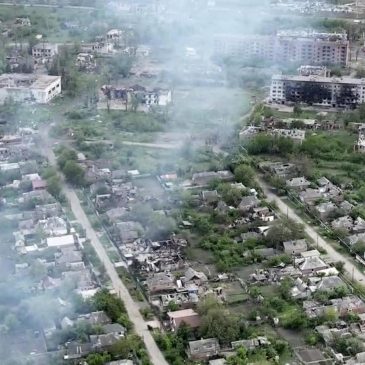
49 6
140 325
285 209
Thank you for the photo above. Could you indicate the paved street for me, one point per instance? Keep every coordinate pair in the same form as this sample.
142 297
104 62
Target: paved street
140 325
285 209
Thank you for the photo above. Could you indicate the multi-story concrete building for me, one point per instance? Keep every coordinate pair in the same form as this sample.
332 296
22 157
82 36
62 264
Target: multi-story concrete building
135 97
29 87
44 50
345 92
305 47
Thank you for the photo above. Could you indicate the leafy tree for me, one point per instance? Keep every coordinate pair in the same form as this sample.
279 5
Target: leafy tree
240 358
230 194
297 320
221 325
109 303
74 173
284 230
54 186
359 248
297 110
244 174
64 156
98 359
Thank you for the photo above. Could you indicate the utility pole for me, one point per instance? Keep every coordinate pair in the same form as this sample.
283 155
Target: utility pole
317 241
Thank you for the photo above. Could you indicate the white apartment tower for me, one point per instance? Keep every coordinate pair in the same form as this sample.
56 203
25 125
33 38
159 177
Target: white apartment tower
305 47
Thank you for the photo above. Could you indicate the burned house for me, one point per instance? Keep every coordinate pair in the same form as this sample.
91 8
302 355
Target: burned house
133 98
203 349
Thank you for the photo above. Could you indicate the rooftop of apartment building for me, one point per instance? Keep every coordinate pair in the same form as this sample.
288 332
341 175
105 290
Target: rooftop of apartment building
323 79
24 81
310 33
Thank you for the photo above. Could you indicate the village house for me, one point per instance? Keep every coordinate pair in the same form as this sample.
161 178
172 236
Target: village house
100 48
329 283
311 356
94 318
248 203
311 265
23 22
346 207
161 283
264 214
355 238
187 316
193 276
203 349
359 226
325 209
77 350
295 247
298 183
45 50
344 223
251 344
205 178
69 259
135 98
296 135
129 231
85 62
283 170
310 196
210 196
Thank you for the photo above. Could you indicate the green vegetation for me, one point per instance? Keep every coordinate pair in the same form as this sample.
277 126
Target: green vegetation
71 169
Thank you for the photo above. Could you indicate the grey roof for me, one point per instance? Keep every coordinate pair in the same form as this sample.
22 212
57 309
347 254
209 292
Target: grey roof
323 181
120 362
115 328
105 340
353 239
191 274
265 252
296 245
248 202
310 355
297 182
94 318
326 207
202 346
359 225
346 206
310 194
312 263
344 222
210 194
68 255
77 349
330 283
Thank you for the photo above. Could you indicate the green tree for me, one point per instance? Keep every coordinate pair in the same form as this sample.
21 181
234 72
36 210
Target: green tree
244 174
54 186
297 110
98 359
109 303
240 358
74 173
